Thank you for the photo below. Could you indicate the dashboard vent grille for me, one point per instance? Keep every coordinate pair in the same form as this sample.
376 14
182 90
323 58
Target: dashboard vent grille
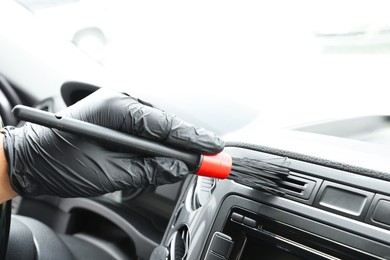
203 190
179 244
298 187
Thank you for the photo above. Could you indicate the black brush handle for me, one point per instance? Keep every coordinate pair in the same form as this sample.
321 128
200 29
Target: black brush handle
105 135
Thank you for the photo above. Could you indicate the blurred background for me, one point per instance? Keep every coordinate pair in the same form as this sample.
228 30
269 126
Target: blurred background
274 63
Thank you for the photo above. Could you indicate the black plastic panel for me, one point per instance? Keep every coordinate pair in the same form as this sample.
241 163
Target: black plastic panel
344 200
379 212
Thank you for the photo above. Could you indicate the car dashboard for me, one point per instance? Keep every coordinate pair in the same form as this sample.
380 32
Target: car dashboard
327 213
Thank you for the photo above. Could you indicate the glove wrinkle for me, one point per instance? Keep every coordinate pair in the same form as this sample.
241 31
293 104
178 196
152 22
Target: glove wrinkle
170 119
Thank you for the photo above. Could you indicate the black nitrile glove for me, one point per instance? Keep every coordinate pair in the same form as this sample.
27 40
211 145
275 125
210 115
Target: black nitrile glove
47 161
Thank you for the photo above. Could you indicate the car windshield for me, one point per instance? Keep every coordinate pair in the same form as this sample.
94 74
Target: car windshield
279 63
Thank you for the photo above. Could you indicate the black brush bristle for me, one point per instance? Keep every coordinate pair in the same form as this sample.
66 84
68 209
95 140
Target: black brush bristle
259 174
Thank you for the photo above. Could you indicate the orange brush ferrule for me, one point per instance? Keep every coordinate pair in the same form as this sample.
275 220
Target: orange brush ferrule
216 165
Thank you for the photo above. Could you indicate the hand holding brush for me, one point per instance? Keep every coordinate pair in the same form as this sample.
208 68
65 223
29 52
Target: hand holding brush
67 163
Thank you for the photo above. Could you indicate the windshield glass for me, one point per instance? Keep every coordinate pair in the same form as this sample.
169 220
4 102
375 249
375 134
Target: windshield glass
286 62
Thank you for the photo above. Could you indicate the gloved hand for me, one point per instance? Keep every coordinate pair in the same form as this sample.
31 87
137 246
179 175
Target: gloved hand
47 161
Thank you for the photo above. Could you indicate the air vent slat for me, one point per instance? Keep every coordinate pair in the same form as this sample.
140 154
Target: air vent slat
294 186
289 189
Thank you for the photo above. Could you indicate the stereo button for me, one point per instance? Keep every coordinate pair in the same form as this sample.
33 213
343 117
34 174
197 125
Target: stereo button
220 246
250 222
237 217
212 256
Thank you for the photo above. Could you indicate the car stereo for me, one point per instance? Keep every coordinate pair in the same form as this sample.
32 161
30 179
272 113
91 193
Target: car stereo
240 233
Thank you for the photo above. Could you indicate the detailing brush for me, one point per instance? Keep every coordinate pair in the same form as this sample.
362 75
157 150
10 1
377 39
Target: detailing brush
254 173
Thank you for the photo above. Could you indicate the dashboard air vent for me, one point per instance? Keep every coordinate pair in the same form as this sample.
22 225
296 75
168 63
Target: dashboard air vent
203 190
179 244
299 187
